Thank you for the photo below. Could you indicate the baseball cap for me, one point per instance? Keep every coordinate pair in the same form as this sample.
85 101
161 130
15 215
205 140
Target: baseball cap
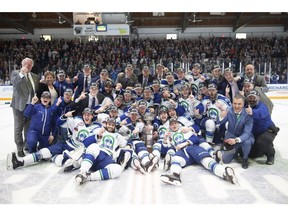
109 120
171 106
86 66
180 70
137 85
127 91
228 69
104 71
94 85
46 94
142 103
197 65
165 88
216 67
168 74
61 73
212 86
120 97
185 85
248 81
253 93
68 90
163 109
88 110
173 120
133 110
147 88
145 68
129 66
108 83
202 84
113 107
156 82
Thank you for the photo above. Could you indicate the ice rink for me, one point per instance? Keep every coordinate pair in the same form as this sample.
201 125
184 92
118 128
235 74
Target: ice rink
42 184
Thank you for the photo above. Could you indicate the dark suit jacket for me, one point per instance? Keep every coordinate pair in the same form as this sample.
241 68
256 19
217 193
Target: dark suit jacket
259 81
82 104
80 84
150 79
21 89
44 87
121 78
241 128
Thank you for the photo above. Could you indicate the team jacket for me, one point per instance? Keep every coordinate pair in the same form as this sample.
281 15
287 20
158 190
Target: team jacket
41 118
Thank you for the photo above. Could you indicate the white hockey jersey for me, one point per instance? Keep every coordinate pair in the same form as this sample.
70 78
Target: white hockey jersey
80 131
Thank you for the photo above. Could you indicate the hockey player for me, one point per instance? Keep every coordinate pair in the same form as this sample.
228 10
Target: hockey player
81 127
188 153
99 160
134 127
177 135
215 108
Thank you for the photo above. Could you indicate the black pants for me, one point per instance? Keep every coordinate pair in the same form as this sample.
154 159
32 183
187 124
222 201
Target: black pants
264 143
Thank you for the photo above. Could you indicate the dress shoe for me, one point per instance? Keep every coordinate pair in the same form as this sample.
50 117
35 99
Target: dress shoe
270 160
20 153
245 163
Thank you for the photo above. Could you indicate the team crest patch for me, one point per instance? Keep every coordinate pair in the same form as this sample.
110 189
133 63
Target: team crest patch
108 142
177 137
82 134
213 113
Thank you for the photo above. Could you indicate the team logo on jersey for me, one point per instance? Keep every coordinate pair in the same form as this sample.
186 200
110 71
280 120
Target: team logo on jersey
177 137
213 113
185 105
82 134
108 142
162 131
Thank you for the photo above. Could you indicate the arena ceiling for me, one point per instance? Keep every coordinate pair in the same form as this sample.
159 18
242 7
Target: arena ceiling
27 22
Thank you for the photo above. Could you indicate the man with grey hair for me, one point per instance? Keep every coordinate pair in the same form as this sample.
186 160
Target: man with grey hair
25 85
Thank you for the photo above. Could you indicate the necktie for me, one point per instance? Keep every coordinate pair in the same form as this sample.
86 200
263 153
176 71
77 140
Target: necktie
237 116
85 84
60 89
31 90
93 103
145 82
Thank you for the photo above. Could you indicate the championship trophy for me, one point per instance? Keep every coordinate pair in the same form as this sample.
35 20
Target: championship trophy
149 117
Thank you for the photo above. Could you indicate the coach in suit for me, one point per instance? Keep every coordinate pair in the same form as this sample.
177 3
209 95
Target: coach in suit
145 78
127 79
238 134
258 80
25 85
83 81
93 100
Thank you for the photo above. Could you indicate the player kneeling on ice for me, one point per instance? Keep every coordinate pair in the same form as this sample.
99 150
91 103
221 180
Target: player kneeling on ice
81 128
99 159
188 153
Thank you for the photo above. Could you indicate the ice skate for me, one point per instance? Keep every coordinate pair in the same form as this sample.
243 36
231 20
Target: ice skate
138 165
167 162
12 161
218 157
173 179
230 175
81 178
151 164
125 161
71 165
